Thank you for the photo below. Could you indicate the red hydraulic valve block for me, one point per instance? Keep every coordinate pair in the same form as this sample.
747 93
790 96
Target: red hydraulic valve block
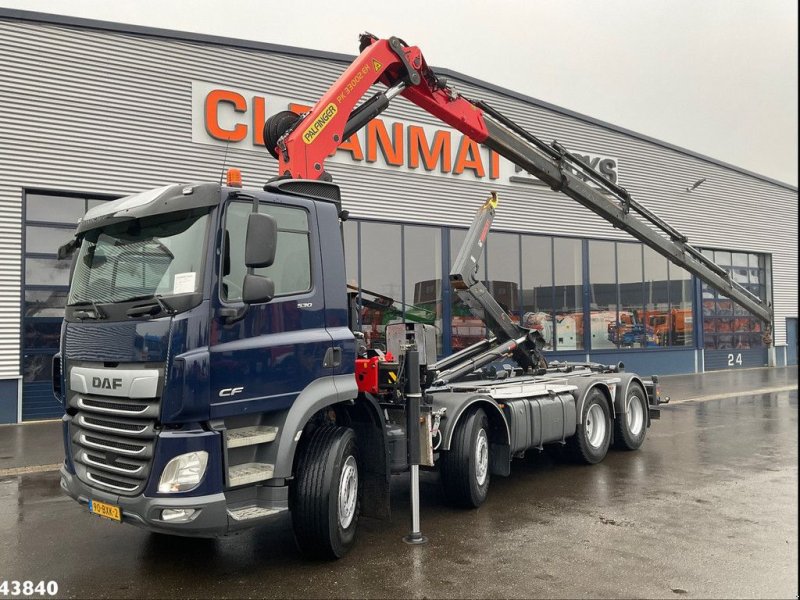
376 374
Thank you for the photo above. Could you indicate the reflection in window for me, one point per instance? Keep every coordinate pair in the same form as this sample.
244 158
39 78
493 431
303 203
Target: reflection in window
603 289
381 280
36 367
54 209
537 286
726 325
656 291
47 271
291 271
46 240
568 286
502 256
45 303
422 248
679 325
466 329
629 330
350 233
42 334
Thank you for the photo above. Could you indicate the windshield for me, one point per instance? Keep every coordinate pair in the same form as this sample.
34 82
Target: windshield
140 259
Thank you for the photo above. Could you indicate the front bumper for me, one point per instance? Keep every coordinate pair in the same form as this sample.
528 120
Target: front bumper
210 520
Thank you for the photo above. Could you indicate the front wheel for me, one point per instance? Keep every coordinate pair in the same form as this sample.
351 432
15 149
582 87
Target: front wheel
325 493
631 427
593 436
465 468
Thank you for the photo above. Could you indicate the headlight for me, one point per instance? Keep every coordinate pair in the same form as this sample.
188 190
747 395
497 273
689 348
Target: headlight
183 472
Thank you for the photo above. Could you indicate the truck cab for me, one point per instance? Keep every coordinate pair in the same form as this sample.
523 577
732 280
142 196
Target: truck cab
191 359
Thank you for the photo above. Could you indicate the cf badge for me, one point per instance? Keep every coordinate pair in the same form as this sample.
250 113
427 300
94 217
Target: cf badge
230 391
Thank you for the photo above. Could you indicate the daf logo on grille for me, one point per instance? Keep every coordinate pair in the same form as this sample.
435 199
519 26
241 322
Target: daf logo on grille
106 383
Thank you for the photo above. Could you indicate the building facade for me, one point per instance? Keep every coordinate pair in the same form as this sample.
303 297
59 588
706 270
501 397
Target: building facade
92 111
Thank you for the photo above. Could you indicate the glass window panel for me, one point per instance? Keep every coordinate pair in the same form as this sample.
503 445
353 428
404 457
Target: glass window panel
45 303
54 209
739 259
502 251
350 233
37 367
381 281
603 299
679 326
93 203
656 285
47 271
466 328
629 331
41 334
291 271
46 240
423 277
568 286
537 286
722 258
289 219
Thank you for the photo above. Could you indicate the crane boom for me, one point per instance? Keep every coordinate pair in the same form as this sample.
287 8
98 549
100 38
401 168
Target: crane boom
301 143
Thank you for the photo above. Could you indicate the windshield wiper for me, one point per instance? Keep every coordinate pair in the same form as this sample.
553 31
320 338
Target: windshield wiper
153 308
88 314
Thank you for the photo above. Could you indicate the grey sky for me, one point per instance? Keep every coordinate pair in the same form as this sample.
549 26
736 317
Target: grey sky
715 76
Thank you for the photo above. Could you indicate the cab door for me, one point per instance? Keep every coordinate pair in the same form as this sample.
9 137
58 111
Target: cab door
264 360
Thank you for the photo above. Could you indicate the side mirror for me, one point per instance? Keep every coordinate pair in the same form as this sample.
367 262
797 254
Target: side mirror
257 289
262 237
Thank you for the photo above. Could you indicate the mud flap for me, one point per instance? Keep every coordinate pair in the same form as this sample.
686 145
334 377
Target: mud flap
501 459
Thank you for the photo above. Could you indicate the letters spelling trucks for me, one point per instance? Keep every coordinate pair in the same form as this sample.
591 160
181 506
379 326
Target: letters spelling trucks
211 370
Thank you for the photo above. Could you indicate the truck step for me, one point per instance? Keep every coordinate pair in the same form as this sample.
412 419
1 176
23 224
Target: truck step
249 473
245 513
250 436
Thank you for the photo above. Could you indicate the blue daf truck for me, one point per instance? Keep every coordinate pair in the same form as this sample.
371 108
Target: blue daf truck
212 368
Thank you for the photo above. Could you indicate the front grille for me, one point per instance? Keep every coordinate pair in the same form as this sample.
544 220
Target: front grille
113 441
107 444
115 425
115 484
117 407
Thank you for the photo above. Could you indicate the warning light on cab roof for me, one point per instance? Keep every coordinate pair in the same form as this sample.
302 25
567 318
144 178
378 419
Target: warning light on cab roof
234 178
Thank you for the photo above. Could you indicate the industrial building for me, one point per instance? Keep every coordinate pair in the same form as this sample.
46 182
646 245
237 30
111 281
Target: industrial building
92 111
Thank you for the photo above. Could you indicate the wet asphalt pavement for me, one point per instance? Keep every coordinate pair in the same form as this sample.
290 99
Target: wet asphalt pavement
707 508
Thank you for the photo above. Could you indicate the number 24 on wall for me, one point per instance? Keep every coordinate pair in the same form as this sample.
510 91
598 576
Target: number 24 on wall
735 360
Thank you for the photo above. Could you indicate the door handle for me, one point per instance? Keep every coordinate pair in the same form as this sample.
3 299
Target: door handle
333 358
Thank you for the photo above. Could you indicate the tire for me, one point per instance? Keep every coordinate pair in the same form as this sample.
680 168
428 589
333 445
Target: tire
593 436
325 499
466 467
630 427
276 126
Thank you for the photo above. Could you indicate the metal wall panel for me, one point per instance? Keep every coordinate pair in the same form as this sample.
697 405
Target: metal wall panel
101 111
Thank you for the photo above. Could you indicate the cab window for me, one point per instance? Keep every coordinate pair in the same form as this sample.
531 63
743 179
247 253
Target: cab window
291 271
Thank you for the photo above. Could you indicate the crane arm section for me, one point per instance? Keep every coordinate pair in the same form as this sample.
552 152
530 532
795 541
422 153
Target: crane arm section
303 142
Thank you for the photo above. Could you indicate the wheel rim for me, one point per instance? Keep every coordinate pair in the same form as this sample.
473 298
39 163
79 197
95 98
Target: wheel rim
481 457
595 426
348 492
635 415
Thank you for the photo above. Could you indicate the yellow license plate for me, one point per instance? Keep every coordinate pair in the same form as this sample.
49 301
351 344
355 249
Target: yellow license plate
109 511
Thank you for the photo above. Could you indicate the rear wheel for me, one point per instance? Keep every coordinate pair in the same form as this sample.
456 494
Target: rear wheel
630 428
325 493
593 436
465 468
